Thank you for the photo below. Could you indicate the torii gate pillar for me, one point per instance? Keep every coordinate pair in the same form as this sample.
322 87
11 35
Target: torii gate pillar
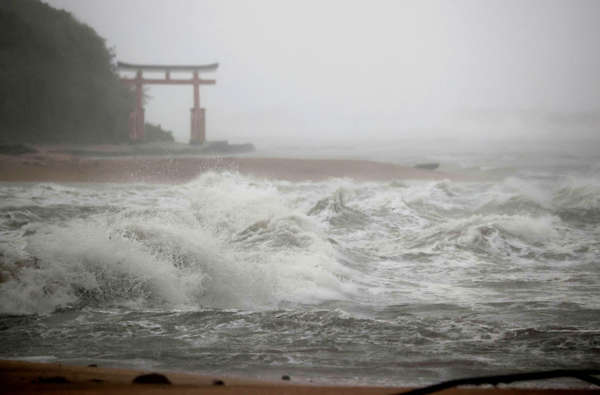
198 126
198 116
136 117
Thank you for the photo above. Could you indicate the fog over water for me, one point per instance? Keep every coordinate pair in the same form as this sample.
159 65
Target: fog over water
346 70
397 282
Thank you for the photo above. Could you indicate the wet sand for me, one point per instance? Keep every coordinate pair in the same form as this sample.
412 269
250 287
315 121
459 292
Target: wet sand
20 377
67 168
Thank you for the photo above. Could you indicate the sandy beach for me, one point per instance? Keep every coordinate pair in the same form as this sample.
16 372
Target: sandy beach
54 378
68 168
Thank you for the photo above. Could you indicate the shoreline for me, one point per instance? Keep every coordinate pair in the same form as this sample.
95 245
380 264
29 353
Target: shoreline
37 377
173 170
42 377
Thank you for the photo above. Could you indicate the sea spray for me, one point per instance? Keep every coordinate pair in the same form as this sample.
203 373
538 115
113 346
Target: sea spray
363 278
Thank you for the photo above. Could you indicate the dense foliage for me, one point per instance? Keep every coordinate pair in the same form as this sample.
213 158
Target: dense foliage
57 79
157 133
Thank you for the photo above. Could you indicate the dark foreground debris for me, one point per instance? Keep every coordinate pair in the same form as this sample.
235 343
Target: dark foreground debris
52 380
151 378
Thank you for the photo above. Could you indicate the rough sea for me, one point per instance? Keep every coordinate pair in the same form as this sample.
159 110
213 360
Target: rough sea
380 283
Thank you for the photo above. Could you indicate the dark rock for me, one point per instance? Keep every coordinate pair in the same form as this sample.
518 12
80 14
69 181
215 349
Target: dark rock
151 378
285 377
92 365
97 381
52 380
427 166
218 382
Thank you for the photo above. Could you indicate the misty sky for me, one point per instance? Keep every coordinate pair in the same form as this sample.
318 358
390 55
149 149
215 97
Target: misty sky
308 69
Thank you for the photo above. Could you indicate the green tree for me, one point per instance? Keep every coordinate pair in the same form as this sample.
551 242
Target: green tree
58 82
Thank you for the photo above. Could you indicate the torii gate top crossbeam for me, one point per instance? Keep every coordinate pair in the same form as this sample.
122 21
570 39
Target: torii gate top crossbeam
166 68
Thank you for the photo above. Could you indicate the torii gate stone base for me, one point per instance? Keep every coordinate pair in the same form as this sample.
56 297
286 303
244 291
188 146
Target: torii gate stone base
197 114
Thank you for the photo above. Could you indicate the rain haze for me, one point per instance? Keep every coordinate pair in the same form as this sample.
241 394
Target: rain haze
309 71
388 194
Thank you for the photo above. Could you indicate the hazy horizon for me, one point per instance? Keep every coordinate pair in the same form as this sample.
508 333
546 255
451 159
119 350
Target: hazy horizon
310 71
422 203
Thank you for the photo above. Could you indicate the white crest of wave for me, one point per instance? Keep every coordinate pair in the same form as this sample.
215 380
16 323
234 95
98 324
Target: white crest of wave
503 235
578 193
85 259
182 249
226 240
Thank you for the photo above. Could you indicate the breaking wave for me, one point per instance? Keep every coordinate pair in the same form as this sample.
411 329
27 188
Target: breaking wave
232 241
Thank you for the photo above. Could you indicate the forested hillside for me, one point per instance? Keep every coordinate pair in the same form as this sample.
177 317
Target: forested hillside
57 79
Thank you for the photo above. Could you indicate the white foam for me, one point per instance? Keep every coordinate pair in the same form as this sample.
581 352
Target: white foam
231 241
180 251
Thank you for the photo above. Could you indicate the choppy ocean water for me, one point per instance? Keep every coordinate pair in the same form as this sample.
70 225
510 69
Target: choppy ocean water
389 283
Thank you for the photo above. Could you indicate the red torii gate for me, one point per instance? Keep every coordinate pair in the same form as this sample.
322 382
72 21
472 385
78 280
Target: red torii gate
136 118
